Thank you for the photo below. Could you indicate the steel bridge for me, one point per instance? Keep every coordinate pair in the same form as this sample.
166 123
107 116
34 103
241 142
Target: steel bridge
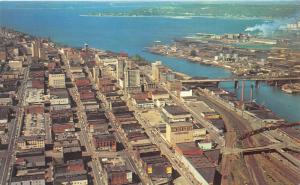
251 149
241 79
267 128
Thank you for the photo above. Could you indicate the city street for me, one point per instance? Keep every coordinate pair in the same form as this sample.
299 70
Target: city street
120 136
6 166
157 139
98 172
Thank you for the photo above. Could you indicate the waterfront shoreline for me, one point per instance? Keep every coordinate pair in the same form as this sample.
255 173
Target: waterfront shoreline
229 69
181 17
194 61
261 101
223 51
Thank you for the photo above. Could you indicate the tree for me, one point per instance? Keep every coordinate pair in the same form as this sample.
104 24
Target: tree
137 58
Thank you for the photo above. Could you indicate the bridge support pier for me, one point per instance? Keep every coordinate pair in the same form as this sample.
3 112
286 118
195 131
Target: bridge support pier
236 84
217 84
251 92
256 84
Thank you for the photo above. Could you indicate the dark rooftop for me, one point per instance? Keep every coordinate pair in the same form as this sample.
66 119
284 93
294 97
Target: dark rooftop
175 110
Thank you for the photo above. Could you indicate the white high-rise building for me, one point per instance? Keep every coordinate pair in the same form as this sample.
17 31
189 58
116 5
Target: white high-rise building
120 69
96 73
35 49
155 70
57 80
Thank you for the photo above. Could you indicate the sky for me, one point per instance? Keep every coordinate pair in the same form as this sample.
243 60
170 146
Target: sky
165 0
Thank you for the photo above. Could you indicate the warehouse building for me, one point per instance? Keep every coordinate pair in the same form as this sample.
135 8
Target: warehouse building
179 132
174 113
105 142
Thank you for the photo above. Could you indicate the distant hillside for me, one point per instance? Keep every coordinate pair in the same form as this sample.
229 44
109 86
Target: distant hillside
236 10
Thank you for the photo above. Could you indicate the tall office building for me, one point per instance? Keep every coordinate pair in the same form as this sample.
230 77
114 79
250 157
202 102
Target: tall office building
96 73
132 78
128 64
35 49
120 69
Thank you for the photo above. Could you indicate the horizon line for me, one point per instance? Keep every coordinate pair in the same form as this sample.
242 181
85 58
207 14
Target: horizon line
244 1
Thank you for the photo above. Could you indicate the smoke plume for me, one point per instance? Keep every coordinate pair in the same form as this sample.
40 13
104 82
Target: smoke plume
267 29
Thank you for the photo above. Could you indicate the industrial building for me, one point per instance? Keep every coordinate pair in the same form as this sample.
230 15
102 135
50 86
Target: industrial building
174 113
179 132
161 73
201 163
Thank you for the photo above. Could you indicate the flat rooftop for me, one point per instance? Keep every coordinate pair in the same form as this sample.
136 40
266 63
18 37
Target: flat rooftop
188 149
61 93
200 106
105 137
175 110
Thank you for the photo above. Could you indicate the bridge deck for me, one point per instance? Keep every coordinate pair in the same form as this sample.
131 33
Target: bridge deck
239 79
274 146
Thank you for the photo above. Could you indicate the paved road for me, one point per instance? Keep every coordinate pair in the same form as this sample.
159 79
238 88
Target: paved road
6 167
133 162
100 177
120 136
156 138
